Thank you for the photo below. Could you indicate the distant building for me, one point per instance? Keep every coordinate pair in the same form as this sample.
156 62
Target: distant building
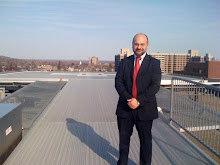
208 69
213 69
54 68
171 62
125 52
209 57
70 69
197 59
45 68
193 53
93 60
176 62
118 59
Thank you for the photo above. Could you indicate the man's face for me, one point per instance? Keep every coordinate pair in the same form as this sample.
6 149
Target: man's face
140 45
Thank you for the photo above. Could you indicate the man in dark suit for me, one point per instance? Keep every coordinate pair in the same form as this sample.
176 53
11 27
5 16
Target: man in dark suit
137 81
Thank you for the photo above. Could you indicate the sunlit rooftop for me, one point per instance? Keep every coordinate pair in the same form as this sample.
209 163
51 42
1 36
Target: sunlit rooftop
77 124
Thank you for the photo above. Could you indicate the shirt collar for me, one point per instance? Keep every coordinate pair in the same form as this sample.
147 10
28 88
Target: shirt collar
142 56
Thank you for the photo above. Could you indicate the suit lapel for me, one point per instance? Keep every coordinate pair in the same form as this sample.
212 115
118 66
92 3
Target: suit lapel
144 66
131 66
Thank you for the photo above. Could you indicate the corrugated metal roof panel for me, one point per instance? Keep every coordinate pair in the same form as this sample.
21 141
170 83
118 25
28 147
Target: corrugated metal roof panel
79 127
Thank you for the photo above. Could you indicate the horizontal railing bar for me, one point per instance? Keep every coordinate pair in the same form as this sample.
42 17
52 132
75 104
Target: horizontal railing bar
203 143
198 84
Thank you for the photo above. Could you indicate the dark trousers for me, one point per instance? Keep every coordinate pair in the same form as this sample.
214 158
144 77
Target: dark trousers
125 127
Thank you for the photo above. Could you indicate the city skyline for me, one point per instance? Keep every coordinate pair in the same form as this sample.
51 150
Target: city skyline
76 30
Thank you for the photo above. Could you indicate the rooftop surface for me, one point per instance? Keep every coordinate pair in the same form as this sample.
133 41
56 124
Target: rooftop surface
79 127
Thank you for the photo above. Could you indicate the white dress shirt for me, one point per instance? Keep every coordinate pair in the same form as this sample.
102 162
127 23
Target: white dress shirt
142 58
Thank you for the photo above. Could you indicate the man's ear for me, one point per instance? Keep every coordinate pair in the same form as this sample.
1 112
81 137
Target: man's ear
147 45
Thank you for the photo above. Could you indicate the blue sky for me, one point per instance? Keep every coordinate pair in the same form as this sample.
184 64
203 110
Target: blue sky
78 29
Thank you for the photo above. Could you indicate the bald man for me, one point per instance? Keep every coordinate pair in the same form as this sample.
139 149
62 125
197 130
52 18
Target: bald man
137 81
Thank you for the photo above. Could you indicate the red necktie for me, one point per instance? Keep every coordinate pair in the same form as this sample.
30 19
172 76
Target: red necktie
136 69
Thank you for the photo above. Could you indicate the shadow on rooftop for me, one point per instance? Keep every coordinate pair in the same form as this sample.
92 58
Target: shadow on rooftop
86 134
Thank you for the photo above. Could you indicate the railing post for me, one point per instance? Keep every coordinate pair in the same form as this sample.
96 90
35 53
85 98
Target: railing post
171 101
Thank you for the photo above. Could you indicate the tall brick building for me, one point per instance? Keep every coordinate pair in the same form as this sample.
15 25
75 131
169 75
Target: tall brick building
209 69
214 69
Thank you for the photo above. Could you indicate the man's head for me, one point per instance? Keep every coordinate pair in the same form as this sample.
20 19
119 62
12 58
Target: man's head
140 44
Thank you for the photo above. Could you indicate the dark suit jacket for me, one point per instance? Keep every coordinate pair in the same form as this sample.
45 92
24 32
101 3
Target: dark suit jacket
148 84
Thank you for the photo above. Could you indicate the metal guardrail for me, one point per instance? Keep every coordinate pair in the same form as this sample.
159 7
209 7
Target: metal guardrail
195 109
